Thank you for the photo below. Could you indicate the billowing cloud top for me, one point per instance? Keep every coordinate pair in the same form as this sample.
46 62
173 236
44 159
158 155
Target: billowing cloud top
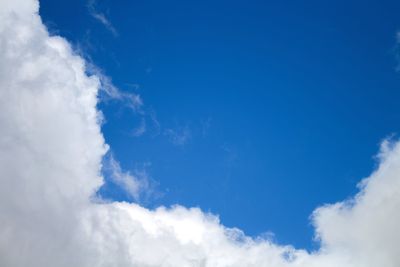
51 148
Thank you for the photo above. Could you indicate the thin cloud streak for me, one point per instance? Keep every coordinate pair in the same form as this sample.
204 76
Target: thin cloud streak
135 184
101 17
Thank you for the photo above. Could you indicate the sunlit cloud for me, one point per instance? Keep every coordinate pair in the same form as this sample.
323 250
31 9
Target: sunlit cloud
51 159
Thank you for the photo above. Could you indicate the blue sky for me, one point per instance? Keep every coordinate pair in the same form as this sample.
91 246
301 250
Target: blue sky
258 111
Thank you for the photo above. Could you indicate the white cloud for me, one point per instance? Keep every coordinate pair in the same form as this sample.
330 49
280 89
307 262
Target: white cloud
178 136
100 17
111 92
135 184
141 129
51 149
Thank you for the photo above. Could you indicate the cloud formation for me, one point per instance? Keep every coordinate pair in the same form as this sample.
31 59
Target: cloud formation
101 17
135 185
51 151
110 92
179 136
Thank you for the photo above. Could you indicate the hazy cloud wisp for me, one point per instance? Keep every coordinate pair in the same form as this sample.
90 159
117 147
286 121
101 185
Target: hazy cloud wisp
101 17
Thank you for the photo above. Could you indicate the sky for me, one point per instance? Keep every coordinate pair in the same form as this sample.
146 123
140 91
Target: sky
260 106
209 134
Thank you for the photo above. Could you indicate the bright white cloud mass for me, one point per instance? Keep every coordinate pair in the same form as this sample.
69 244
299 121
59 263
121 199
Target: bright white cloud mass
51 149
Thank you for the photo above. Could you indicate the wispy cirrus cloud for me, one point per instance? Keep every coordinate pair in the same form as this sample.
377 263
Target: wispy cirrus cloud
100 16
140 129
110 92
178 136
135 184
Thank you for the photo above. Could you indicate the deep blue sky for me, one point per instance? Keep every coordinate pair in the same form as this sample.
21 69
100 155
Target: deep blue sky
277 106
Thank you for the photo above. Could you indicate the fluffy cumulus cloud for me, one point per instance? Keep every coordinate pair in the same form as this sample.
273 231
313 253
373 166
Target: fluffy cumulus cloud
51 150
